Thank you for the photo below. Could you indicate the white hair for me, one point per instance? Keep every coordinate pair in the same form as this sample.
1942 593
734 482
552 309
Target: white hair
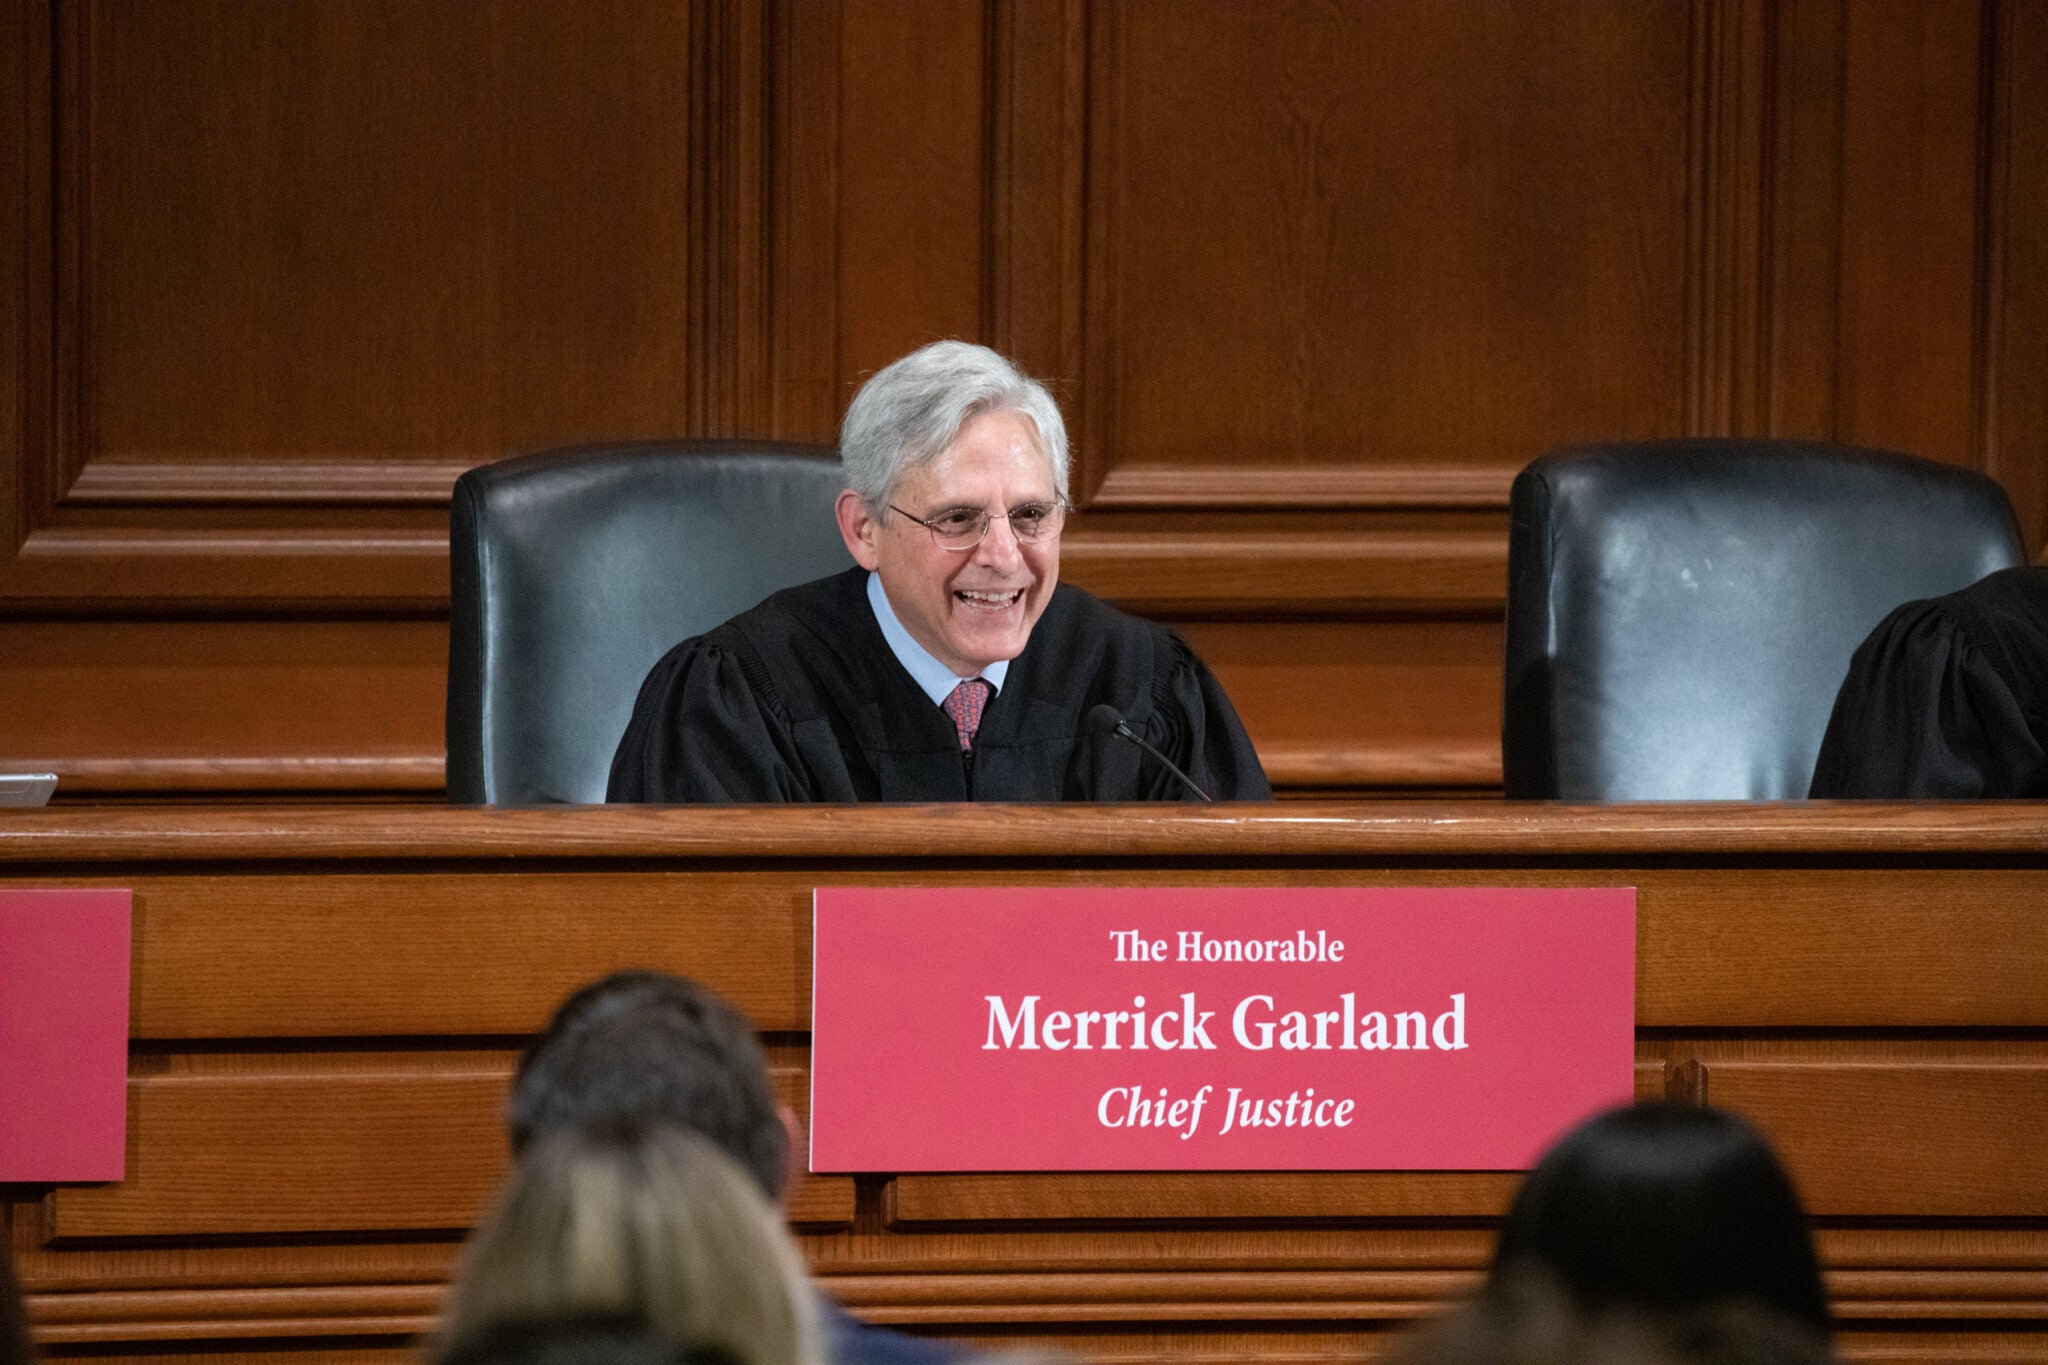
914 408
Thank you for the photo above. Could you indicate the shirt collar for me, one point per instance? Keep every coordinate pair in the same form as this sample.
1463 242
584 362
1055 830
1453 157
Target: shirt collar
933 678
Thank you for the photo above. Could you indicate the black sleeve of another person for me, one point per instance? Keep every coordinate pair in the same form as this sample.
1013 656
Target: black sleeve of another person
1947 698
1194 724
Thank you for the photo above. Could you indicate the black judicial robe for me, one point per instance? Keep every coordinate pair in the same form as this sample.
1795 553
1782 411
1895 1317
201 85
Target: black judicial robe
1947 698
801 699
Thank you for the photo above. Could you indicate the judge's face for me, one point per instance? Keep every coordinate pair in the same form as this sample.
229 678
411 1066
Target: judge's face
969 608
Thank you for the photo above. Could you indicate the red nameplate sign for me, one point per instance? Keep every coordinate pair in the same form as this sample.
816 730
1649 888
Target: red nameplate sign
1060 1029
63 1035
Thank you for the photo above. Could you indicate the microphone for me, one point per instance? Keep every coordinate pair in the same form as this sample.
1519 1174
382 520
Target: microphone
1107 720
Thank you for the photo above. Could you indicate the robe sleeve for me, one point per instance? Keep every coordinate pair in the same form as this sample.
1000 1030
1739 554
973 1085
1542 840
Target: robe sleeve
705 728
1924 714
1194 724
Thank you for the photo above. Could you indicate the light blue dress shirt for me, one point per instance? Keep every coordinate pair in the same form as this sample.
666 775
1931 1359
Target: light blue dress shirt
935 679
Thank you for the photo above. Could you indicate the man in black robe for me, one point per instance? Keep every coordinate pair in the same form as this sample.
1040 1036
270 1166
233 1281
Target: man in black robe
1947 698
952 664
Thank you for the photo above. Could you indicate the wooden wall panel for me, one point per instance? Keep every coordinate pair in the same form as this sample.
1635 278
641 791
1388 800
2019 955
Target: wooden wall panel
328 986
2016 273
1987 1167
307 264
911 199
1913 139
24 237
361 954
446 234
265 1152
802 219
1311 280
385 1350
1870 985
1378 253
1157 1196
209 1155
124 706
1801 265
1363 704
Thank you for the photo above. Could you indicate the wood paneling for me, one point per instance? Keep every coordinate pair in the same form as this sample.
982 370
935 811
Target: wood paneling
375 229
915 1199
1311 280
2016 266
1802 249
1837 838
278 1154
730 253
345 1350
1727 227
328 1002
330 974
1386 704
331 1152
24 238
360 954
1323 292
1870 1140
128 705
232 1317
910 196
310 263
1912 192
1267 573
802 222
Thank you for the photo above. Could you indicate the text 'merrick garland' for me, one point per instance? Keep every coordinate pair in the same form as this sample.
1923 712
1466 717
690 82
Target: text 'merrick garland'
1258 1023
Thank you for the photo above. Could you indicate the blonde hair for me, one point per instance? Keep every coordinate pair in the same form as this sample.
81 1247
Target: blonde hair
648 1222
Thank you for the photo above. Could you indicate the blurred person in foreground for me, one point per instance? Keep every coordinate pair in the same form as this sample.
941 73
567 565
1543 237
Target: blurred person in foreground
643 1222
577 1339
1527 1319
1665 1209
951 664
648 1047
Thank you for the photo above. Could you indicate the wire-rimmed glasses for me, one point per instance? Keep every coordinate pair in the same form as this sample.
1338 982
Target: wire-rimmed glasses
961 528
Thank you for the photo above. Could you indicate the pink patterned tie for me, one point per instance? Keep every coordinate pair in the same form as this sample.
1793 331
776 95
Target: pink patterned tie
964 704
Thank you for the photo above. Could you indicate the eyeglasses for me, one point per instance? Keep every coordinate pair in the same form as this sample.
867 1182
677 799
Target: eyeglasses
961 528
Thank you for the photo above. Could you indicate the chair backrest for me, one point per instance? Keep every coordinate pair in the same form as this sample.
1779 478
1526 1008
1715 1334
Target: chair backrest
571 572
1681 613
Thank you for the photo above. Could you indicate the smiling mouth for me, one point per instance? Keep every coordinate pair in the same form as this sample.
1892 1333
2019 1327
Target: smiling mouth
990 601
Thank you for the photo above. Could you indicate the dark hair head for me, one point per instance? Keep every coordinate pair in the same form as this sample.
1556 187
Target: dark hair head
1527 1320
17 1347
1665 1207
649 1047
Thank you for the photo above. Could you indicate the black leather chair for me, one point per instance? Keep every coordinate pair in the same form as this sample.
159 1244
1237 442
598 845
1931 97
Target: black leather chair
1681 613
571 572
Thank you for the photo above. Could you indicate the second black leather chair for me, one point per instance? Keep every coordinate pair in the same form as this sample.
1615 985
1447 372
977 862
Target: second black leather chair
1681 613
573 571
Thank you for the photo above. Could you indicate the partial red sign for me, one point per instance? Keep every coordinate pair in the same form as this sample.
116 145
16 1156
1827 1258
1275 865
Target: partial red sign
63 1035
1090 1029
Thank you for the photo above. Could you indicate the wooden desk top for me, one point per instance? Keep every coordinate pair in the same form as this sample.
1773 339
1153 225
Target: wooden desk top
1428 830
327 1002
